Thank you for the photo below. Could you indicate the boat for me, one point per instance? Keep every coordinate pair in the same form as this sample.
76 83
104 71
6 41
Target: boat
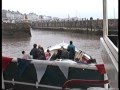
53 74
80 56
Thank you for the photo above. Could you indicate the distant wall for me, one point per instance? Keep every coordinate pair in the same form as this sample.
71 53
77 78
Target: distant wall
88 24
16 29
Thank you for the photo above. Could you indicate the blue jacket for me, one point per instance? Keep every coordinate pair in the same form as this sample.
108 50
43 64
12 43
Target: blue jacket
71 50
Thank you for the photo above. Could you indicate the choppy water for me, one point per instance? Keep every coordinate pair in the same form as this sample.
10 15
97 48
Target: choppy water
90 44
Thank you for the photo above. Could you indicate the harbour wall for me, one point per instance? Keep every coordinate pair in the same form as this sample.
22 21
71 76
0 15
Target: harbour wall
16 29
83 26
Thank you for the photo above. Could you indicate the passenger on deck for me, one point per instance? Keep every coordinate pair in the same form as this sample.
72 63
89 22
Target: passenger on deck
71 50
64 54
34 52
41 54
58 55
47 54
25 56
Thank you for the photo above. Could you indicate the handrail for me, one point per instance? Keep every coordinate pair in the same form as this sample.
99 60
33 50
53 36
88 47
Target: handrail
112 47
54 63
73 82
32 84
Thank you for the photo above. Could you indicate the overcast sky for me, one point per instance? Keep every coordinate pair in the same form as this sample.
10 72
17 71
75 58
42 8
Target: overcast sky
63 8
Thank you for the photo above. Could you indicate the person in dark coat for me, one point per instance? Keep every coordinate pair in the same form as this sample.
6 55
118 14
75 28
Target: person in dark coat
71 50
34 52
64 54
58 55
41 54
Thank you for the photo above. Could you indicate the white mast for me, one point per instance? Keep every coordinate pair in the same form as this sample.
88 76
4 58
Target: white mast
114 12
105 20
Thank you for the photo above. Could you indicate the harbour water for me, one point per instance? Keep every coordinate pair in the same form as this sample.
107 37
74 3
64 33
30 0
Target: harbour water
12 47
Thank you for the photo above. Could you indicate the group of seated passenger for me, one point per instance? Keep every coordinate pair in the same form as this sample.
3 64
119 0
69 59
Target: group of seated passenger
62 53
37 53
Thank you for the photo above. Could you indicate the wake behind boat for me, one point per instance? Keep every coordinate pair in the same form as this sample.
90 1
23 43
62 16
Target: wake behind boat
53 73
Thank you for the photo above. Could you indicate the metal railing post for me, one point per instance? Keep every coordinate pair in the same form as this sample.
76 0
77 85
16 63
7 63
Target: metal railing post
105 20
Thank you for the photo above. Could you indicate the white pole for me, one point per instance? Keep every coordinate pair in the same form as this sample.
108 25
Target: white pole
105 20
3 85
114 12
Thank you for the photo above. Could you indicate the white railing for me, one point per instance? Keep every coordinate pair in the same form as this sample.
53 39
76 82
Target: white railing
112 47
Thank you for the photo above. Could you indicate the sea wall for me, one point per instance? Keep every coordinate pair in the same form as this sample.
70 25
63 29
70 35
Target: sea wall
16 29
77 25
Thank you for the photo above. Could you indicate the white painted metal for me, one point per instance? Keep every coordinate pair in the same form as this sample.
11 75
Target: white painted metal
105 20
109 51
114 61
112 47
110 62
31 84
3 85
106 78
